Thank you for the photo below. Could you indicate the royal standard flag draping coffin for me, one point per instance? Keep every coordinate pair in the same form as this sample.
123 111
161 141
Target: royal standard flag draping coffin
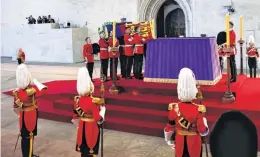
147 28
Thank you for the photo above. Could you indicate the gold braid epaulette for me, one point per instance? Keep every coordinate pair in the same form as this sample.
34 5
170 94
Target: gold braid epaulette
17 101
99 101
201 108
30 91
170 106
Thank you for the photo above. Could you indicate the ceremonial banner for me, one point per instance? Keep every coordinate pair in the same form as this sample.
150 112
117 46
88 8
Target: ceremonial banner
147 28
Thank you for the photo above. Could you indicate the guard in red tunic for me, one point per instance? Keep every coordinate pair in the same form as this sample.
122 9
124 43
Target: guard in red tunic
104 57
129 52
139 53
88 115
21 56
187 117
26 107
253 54
89 56
221 41
233 67
111 56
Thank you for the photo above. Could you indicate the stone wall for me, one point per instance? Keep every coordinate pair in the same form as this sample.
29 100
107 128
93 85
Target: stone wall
209 18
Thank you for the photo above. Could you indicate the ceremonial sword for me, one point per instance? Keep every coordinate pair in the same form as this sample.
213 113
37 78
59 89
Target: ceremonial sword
16 142
200 97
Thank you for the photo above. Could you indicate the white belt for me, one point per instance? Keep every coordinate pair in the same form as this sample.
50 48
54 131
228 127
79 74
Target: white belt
254 56
103 49
139 45
128 45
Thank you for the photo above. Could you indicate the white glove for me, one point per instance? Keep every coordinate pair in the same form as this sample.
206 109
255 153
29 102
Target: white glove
39 85
168 135
206 124
224 59
75 121
102 112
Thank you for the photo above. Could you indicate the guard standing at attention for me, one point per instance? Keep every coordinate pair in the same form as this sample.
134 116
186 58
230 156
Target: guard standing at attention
186 118
26 107
129 52
104 57
88 115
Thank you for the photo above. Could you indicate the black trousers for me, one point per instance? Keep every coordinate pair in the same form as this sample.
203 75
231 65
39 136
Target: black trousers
252 65
129 65
221 63
90 67
104 66
233 68
138 65
27 146
111 68
122 62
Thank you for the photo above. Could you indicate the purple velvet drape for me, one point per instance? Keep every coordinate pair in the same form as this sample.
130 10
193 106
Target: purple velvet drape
167 56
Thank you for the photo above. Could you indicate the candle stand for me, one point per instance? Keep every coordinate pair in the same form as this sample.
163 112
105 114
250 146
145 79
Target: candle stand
228 98
114 90
241 42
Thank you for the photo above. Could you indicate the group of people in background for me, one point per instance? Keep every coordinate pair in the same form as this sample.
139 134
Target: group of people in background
40 20
130 50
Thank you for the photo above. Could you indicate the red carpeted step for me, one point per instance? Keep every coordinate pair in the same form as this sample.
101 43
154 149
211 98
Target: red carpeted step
120 111
46 111
133 126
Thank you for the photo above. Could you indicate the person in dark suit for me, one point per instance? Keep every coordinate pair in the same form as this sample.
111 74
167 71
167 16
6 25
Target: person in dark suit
39 20
31 20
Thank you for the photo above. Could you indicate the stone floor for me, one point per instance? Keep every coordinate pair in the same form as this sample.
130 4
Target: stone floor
57 139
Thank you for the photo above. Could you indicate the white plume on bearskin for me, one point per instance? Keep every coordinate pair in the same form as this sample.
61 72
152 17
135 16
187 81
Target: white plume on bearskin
251 39
186 86
23 76
84 83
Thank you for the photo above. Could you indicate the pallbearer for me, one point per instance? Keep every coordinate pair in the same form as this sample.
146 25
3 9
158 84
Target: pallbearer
187 117
232 42
221 41
89 56
129 52
26 107
104 57
138 53
21 56
253 54
88 115
111 56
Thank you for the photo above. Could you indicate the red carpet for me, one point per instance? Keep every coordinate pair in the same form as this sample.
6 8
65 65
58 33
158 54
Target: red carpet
142 107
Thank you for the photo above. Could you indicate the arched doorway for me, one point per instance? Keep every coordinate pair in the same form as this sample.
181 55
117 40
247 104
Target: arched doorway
170 20
151 9
175 23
